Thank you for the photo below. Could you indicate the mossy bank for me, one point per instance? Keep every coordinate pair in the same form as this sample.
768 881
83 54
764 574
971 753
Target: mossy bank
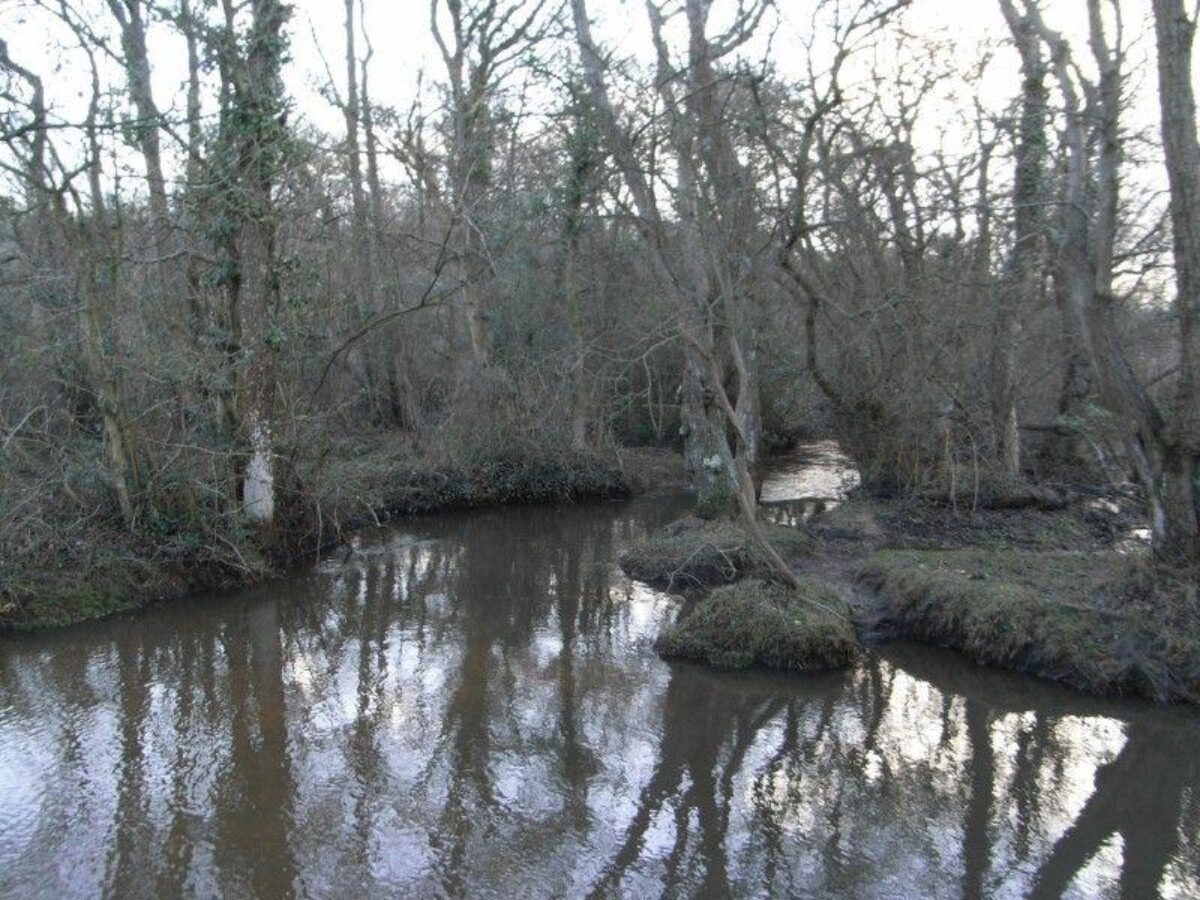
758 623
107 570
694 553
1062 591
1100 622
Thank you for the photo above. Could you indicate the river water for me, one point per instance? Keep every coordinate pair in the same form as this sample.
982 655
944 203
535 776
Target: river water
469 705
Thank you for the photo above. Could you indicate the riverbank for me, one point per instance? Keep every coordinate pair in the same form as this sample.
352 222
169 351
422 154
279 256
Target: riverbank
1098 622
362 481
1063 592
1068 595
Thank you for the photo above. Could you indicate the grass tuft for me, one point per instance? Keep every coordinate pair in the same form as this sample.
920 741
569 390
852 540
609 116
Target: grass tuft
758 623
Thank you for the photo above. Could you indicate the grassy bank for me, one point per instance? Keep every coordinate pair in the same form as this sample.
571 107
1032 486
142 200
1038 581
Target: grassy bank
95 568
1061 591
1099 622
757 623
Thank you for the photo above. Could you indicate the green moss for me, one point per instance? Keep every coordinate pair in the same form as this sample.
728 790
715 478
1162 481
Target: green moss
57 602
693 552
392 478
716 504
757 623
1090 620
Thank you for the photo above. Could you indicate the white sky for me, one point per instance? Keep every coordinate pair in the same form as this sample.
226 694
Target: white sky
403 46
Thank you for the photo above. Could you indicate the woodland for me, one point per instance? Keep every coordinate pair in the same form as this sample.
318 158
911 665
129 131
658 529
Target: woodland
229 337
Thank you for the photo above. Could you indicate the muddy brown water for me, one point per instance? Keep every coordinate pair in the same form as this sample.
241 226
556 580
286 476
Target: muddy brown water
470 705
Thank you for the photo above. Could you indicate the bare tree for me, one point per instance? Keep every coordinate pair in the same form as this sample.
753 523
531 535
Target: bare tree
86 231
1023 268
583 161
1175 31
363 276
483 39
1085 239
719 469
130 16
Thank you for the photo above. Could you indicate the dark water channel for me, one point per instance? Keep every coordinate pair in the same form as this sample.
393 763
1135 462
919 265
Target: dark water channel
470 706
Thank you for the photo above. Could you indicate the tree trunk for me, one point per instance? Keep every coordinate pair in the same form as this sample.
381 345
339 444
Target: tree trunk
254 143
103 380
582 163
199 310
116 445
580 395
397 410
706 450
363 278
1175 33
130 17
1022 275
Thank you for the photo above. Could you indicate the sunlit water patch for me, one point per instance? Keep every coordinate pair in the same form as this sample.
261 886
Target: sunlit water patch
811 479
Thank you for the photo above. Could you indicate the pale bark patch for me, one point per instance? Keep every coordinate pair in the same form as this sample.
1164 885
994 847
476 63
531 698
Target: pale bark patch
258 490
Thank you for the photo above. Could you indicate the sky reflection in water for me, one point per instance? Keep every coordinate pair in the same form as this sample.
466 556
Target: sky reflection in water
471 706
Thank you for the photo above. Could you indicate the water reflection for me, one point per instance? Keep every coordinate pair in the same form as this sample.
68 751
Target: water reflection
795 513
472 707
811 479
815 469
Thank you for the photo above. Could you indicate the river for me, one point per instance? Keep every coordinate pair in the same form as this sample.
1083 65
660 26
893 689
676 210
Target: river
469 705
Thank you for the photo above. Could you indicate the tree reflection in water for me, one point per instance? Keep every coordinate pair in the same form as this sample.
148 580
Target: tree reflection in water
473 704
